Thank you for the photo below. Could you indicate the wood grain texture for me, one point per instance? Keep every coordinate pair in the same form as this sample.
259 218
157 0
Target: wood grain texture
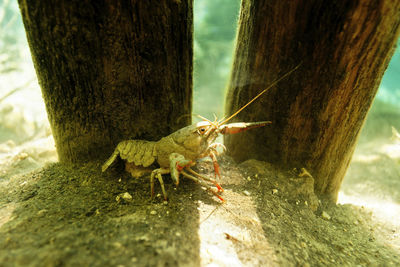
111 70
344 48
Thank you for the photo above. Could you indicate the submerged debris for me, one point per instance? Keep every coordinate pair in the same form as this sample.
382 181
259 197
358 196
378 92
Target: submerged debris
325 215
125 196
153 212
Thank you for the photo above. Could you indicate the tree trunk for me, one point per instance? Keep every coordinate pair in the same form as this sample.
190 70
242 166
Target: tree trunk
344 48
111 70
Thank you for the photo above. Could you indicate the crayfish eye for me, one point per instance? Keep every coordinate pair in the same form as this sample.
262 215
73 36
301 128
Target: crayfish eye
202 130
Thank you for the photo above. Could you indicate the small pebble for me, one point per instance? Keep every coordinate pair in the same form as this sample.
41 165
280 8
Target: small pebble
153 212
325 215
42 212
126 196
143 238
22 156
117 245
10 143
247 193
304 173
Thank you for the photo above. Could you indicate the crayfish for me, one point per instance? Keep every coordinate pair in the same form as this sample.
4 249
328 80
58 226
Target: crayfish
178 152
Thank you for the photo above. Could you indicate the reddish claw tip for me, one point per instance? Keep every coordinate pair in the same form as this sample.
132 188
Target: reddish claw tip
220 198
179 167
219 188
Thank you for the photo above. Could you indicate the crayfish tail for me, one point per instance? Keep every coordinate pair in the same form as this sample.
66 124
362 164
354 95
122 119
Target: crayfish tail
110 161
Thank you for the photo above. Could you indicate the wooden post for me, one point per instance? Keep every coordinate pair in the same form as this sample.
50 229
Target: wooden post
343 47
111 70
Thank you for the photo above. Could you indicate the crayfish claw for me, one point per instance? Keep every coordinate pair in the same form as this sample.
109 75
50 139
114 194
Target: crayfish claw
177 163
237 127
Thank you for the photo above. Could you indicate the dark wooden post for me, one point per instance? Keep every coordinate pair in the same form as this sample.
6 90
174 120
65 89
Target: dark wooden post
344 48
111 70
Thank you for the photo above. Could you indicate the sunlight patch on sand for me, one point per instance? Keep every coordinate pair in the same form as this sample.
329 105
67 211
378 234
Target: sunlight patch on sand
231 234
383 209
6 213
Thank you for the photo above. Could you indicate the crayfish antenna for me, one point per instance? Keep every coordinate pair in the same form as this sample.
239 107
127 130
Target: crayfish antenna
205 119
221 120
262 92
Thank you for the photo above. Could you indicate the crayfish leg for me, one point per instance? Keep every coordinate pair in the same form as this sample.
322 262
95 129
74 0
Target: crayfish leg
201 182
219 188
158 173
215 163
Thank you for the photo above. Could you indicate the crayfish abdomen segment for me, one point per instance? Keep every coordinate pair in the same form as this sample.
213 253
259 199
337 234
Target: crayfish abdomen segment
140 152
135 152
